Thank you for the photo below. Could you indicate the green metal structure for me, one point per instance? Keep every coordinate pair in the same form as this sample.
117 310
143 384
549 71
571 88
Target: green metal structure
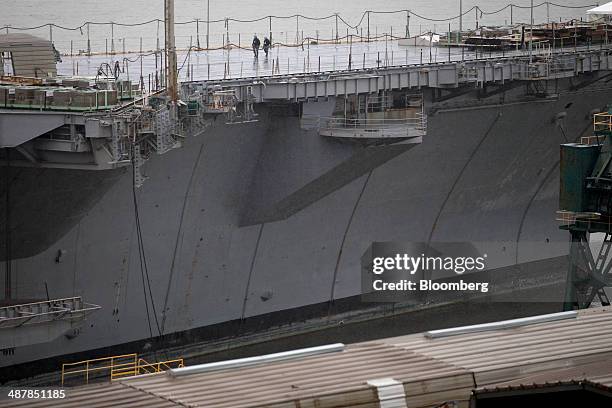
586 208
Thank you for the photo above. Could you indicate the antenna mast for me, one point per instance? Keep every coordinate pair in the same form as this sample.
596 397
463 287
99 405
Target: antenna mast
172 74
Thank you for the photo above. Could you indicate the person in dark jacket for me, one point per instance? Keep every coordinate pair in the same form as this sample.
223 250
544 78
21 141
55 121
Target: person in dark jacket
266 45
256 44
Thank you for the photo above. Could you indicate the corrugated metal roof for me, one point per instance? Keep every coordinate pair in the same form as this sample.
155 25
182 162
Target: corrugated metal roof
31 56
322 381
432 371
96 396
599 373
504 355
13 39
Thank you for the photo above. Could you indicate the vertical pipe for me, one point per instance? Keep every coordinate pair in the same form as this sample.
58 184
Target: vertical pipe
336 28
554 39
227 34
368 25
198 33
157 45
351 53
171 52
531 34
208 25
449 42
112 38
271 31
407 23
511 14
575 34
460 18
51 33
88 41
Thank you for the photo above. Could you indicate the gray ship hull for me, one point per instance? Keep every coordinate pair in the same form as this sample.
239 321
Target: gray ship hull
219 249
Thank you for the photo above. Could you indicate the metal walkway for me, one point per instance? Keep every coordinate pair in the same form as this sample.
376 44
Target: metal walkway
445 75
33 323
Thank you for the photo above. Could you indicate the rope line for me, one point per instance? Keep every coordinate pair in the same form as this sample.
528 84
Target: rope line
300 16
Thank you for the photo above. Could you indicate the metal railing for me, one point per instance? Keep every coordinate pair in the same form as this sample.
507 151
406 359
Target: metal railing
593 221
592 140
550 68
44 312
419 122
570 217
116 367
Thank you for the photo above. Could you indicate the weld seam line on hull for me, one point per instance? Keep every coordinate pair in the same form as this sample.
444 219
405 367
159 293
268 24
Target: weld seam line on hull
129 262
540 187
76 258
342 243
530 203
179 235
251 268
536 192
460 175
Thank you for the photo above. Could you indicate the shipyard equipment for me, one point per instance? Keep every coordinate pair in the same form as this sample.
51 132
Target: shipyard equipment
586 209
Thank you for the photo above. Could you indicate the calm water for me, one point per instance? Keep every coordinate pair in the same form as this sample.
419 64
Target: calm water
71 13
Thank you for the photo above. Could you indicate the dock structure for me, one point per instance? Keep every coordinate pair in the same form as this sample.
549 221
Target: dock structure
460 367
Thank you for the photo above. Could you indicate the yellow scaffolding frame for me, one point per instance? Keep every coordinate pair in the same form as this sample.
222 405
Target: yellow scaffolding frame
120 366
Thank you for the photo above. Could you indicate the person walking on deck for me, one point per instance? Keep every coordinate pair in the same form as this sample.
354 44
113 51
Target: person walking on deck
256 44
266 45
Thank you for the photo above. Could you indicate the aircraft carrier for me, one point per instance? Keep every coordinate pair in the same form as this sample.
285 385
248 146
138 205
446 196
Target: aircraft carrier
251 225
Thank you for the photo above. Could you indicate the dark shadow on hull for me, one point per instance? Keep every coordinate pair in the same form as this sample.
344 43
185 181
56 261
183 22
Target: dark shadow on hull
46 203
